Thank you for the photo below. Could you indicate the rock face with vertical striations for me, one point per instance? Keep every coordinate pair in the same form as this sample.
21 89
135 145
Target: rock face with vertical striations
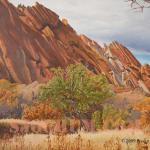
125 70
34 39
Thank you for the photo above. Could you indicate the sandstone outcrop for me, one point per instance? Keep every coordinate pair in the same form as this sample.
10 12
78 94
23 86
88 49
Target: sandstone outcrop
33 40
126 72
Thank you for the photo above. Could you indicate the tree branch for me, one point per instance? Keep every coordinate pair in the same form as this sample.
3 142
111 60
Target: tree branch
139 4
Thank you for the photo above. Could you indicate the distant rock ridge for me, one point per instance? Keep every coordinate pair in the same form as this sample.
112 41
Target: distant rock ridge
125 70
34 39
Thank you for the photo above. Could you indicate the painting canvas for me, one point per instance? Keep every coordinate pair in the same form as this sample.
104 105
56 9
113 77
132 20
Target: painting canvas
74 75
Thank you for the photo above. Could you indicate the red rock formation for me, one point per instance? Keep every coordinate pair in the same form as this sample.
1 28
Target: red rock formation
145 73
34 39
125 70
122 60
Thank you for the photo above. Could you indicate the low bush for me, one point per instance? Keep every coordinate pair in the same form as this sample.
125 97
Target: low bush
40 111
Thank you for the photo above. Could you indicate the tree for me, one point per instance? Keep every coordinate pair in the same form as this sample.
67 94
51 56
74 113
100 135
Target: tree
140 4
10 106
40 110
144 108
8 92
114 117
7 96
74 91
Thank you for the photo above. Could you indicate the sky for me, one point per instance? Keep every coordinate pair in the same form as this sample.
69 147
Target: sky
105 21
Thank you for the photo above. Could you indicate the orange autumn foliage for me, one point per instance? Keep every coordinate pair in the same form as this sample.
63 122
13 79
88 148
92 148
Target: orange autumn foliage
144 108
7 96
40 111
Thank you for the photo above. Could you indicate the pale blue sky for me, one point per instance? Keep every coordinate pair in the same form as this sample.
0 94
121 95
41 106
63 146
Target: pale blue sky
104 21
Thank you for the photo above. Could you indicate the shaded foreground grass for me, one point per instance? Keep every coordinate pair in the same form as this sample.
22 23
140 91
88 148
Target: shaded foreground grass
103 140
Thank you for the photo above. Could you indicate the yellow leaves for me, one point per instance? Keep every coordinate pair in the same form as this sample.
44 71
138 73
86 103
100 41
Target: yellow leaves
40 111
143 105
7 97
144 108
8 92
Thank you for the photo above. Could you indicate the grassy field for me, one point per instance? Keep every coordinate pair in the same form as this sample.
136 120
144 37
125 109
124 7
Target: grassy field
102 140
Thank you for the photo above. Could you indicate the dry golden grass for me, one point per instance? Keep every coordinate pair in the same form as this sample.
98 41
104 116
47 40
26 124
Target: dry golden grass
24 122
102 140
